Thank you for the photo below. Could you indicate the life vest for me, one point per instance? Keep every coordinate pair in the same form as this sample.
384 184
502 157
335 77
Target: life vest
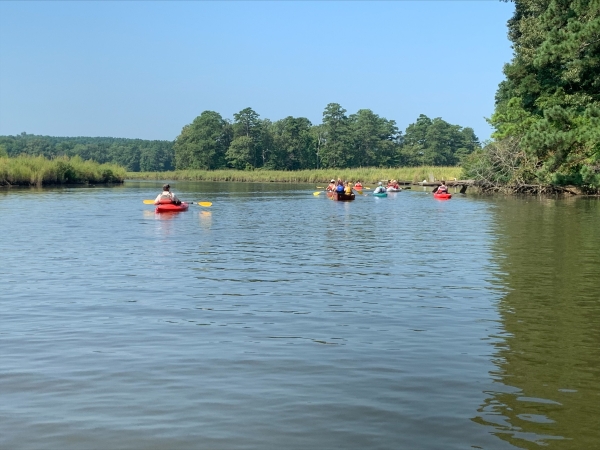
442 190
340 188
358 186
165 200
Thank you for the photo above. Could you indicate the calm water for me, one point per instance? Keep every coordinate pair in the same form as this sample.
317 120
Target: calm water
276 319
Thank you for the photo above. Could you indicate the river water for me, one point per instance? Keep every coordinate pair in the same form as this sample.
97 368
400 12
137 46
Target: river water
279 319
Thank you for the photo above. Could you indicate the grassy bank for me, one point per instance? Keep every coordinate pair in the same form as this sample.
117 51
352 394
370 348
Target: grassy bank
366 175
39 171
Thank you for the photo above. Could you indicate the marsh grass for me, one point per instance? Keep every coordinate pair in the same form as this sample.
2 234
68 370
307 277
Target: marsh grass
38 171
366 175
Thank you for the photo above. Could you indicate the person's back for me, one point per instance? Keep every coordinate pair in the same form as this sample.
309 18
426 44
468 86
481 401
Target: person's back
339 187
348 189
166 196
379 189
442 189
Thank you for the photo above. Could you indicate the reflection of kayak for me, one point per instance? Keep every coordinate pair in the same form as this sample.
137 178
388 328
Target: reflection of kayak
380 194
392 189
443 196
170 207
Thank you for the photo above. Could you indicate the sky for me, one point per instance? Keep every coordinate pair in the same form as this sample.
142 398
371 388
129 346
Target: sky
144 69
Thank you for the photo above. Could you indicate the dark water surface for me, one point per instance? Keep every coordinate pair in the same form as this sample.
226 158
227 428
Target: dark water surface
281 320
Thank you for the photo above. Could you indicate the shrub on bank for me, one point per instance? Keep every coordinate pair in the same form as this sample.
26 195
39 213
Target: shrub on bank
37 171
366 175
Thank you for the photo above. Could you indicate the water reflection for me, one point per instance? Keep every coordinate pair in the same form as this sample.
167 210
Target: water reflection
548 252
205 219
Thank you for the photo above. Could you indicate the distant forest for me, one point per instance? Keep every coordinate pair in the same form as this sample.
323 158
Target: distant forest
249 142
134 154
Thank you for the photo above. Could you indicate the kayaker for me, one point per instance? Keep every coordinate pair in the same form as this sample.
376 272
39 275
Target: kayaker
331 186
348 188
339 186
379 189
358 186
166 196
442 188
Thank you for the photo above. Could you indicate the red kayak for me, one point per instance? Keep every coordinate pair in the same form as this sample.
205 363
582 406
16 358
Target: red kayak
170 207
444 196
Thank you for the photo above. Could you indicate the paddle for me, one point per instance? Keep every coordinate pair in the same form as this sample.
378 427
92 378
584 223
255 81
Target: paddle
207 204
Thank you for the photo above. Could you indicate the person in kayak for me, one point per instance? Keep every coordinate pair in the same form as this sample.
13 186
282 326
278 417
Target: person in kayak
166 196
331 186
379 189
340 186
358 186
442 189
348 188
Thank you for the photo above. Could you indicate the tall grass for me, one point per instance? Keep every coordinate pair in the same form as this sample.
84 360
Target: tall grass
366 175
37 171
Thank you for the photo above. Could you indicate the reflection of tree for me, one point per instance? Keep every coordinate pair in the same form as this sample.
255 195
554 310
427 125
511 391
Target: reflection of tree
549 360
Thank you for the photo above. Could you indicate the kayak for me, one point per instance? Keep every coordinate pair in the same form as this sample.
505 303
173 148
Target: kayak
442 196
170 207
380 194
342 197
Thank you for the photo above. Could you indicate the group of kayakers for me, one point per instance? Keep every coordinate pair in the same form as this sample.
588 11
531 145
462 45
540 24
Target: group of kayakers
346 187
343 187
166 196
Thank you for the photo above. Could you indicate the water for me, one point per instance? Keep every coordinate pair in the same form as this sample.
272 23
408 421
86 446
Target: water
278 319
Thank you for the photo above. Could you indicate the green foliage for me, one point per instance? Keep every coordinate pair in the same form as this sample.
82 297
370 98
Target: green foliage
337 140
550 100
374 139
293 145
203 143
240 153
367 175
38 170
436 142
134 154
363 139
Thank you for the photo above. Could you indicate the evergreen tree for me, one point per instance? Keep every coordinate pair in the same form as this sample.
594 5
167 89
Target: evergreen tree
550 100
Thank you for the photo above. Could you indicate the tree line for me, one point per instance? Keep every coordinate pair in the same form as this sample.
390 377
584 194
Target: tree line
134 154
362 139
547 113
248 142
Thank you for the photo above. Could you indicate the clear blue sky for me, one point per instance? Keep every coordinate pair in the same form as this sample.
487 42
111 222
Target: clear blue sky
145 69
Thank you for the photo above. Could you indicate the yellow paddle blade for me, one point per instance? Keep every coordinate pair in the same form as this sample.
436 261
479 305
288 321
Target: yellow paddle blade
149 202
207 204
316 193
319 187
367 188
